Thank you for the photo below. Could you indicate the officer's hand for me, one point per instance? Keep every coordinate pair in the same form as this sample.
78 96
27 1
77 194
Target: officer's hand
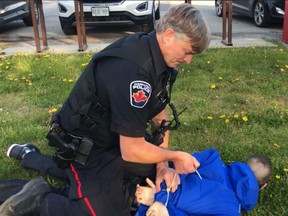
185 163
145 195
170 177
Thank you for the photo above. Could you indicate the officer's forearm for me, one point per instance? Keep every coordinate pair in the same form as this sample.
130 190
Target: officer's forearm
139 151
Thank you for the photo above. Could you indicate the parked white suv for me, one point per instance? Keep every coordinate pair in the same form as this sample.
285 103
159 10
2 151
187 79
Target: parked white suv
142 13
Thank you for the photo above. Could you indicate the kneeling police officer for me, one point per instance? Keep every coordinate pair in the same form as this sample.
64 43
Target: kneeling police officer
100 133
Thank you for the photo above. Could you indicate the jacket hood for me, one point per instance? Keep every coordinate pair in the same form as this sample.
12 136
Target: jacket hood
245 184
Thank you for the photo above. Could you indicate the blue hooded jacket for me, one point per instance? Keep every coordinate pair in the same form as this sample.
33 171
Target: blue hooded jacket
223 190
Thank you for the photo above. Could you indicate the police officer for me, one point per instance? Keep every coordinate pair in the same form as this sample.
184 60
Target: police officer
105 117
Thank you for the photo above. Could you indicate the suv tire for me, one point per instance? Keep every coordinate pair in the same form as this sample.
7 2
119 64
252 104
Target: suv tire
219 8
260 14
150 26
67 27
28 20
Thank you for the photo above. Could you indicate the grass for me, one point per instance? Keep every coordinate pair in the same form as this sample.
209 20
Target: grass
236 100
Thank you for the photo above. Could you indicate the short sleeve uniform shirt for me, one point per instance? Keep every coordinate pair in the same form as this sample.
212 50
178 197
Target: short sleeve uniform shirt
129 91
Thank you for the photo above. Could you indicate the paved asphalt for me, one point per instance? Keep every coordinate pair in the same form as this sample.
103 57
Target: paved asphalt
59 43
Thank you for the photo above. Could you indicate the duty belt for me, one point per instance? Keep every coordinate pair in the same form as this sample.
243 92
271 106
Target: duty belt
68 148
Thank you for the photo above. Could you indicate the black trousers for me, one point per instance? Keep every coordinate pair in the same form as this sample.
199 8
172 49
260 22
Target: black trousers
102 187
99 186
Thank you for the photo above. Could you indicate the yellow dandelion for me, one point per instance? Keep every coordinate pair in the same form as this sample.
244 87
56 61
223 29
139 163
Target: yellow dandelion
276 145
245 118
30 83
1 64
64 80
10 78
278 177
227 121
213 86
285 169
235 80
220 78
84 64
208 62
286 66
7 67
70 80
52 110
222 116
282 70
30 74
236 116
209 117
276 65
15 79
46 56
280 50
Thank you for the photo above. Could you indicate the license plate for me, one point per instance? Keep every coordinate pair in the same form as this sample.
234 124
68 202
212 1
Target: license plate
100 11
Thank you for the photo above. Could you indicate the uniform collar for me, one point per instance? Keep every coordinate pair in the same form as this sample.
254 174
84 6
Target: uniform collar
159 62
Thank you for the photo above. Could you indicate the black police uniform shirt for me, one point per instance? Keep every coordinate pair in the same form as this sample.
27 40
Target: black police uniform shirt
128 91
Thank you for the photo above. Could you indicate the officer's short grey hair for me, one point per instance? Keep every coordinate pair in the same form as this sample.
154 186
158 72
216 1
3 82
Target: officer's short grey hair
186 19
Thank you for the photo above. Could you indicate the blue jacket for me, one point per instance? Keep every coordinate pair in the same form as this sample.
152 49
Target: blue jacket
223 190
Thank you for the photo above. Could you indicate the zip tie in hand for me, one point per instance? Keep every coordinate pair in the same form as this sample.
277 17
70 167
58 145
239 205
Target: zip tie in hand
169 188
198 174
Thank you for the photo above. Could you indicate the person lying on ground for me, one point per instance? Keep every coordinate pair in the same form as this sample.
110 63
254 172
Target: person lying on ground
215 189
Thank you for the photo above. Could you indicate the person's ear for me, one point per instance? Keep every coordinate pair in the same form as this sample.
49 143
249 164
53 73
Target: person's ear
263 186
168 36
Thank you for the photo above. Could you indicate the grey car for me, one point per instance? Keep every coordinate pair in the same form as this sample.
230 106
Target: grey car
263 12
13 10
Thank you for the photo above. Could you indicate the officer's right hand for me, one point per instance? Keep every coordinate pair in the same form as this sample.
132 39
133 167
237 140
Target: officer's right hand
185 163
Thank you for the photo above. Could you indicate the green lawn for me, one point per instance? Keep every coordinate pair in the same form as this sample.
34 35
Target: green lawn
236 100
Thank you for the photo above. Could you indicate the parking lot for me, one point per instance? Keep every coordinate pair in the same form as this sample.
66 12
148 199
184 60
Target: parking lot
242 27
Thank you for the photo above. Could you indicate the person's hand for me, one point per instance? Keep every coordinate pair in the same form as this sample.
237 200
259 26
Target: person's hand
145 195
170 177
157 209
185 163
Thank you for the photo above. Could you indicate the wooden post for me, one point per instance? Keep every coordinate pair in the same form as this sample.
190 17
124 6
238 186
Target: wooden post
80 25
34 4
224 23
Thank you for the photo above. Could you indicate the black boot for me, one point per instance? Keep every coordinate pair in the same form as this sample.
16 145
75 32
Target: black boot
28 201
10 187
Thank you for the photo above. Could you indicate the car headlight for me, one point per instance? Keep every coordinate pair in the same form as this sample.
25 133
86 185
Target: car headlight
280 11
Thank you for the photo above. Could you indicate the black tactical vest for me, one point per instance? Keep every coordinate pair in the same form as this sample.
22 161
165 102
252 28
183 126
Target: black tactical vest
83 114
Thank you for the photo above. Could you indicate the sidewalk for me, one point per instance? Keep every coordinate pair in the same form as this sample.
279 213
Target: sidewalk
55 47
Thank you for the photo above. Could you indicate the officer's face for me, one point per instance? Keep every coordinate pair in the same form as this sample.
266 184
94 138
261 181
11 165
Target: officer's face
176 49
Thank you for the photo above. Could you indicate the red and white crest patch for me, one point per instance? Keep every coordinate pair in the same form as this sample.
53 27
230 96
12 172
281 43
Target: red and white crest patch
140 92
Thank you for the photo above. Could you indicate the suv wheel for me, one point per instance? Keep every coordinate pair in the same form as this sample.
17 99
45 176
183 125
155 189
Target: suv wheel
260 14
67 27
219 8
150 26
28 20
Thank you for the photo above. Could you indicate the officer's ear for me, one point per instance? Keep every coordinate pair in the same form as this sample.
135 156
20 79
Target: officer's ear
168 36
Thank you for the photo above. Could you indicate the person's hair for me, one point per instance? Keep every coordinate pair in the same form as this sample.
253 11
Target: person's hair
186 19
261 167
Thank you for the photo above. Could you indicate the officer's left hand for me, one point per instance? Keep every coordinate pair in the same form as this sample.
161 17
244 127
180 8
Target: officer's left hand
170 177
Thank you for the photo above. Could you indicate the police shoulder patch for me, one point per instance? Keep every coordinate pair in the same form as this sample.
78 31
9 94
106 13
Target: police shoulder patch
140 92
